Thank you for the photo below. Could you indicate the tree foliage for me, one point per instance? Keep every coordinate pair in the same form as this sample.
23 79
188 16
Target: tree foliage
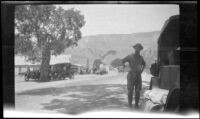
110 52
97 63
116 63
48 25
42 30
22 45
102 56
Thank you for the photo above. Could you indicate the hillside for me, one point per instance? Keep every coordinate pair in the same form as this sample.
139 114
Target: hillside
91 46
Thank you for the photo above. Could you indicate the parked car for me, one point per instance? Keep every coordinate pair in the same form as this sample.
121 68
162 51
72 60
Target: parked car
56 72
35 74
61 71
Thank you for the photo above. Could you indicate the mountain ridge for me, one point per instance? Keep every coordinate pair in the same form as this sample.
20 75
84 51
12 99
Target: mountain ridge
93 46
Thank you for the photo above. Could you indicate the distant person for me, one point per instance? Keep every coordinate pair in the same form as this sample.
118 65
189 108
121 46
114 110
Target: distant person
134 80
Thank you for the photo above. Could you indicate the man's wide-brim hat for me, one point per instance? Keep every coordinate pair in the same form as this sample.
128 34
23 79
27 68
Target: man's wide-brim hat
138 45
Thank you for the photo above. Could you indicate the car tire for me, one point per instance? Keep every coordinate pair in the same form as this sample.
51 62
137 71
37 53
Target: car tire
26 78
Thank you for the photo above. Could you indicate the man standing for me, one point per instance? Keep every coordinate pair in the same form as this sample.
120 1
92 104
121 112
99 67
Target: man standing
137 65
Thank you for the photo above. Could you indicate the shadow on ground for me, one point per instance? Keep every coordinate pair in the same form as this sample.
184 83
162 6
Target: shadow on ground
79 99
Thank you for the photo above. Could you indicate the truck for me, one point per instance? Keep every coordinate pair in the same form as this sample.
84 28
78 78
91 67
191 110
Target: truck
173 99
164 89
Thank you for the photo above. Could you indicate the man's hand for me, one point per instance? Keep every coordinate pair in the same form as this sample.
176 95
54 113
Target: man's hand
141 68
127 67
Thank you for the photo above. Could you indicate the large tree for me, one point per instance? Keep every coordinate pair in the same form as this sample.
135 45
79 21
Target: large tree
102 56
116 63
42 30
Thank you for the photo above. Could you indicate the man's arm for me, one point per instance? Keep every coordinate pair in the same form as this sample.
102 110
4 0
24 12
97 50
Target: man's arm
126 59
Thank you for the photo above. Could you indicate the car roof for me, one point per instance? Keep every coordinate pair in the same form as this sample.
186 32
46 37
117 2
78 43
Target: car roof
169 35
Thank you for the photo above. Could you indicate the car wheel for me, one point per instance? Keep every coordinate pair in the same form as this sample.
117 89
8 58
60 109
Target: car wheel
51 77
26 78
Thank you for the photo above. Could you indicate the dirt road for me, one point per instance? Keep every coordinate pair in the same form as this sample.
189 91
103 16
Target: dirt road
84 93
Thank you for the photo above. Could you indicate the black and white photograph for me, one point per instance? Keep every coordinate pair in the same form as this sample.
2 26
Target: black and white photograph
73 59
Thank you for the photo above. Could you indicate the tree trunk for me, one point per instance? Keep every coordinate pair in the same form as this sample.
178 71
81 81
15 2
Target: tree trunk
46 55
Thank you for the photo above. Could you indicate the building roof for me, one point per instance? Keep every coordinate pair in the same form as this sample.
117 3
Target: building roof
60 59
20 60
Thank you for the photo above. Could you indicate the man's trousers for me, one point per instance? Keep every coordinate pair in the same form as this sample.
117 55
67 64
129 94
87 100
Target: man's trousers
134 81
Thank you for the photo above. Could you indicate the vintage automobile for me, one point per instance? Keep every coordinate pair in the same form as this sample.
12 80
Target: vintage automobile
103 69
61 71
57 72
164 90
34 74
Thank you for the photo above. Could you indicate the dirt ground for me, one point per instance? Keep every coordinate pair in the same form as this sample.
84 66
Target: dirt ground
82 94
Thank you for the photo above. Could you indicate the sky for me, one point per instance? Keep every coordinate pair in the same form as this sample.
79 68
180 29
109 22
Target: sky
123 18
